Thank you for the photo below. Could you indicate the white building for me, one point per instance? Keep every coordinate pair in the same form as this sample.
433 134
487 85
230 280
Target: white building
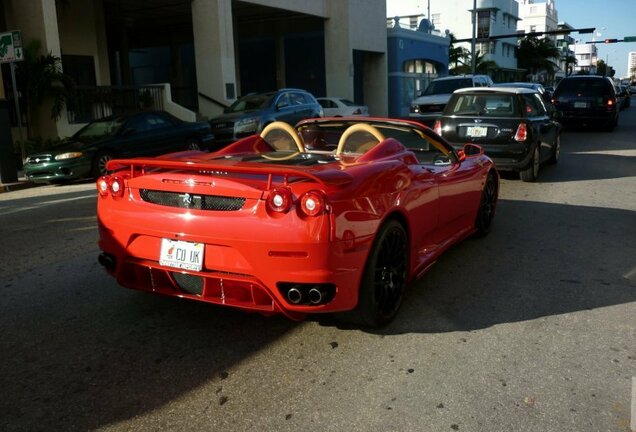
586 57
538 17
563 43
631 64
494 17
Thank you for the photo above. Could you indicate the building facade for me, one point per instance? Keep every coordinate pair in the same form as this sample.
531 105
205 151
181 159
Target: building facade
563 43
208 51
586 57
494 17
538 17
631 64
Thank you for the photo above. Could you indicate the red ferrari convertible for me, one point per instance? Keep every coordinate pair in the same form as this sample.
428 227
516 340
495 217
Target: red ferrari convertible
335 215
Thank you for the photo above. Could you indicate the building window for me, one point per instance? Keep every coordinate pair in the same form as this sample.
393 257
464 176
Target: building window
493 47
483 24
533 28
419 66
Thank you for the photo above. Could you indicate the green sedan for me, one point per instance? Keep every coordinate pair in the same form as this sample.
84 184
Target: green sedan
140 134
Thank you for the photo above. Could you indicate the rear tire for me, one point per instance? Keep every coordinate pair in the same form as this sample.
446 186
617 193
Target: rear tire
99 163
384 280
487 206
556 154
192 144
531 172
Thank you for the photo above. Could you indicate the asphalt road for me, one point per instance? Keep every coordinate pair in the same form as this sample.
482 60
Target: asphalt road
529 329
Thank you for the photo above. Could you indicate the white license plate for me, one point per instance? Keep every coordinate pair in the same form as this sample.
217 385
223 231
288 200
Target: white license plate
181 255
580 104
477 131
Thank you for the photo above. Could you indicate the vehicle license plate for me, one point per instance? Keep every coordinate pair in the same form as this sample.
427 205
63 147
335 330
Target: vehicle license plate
477 131
580 105
182 255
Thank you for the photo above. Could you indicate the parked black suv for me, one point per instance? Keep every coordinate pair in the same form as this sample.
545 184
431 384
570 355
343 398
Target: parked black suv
586 101
251 113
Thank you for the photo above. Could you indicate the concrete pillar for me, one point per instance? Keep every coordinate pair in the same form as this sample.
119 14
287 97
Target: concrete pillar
213 29
37 19
338 51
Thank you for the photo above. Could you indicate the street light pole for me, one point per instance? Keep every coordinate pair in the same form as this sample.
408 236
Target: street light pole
473 62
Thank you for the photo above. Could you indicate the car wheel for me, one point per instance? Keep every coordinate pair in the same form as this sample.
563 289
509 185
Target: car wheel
487 206
556 153
531 172
192 144
384 280
99 163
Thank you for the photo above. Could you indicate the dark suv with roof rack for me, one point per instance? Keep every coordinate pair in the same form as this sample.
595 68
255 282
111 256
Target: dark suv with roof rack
586 101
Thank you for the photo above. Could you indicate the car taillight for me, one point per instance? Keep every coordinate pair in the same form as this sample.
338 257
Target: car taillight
312 203
116 187
358 111
111 185
103 186
522 132
279 200
437 127
610 103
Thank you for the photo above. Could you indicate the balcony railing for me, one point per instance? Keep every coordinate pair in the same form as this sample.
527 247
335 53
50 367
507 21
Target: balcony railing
101 101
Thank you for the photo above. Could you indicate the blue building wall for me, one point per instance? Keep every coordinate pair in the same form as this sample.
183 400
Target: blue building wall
404 45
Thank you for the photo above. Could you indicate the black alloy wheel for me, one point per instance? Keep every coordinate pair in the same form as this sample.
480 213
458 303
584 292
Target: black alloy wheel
99 163
192 144
487 206
384 279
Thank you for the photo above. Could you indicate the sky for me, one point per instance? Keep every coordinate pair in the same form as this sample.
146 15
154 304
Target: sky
613 19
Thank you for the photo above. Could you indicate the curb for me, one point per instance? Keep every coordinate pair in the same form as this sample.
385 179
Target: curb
11 187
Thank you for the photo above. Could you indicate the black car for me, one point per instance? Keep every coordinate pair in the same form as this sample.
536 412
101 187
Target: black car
586 100
512 125
140 134
623 96
250 114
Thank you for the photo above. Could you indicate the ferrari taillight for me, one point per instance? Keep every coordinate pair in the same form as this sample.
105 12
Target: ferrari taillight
111 185
437 127
522 132
102 186
312 203
279 200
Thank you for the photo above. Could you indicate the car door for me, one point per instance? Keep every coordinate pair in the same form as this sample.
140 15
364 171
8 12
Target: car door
285 111
541 123
303 107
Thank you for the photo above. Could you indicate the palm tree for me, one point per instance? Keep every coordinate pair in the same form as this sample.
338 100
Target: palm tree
570 61
456 55
536 55
482 66
40 78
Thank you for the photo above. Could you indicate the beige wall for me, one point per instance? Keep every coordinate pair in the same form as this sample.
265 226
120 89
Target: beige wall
309 7
82 32
357 25
214 52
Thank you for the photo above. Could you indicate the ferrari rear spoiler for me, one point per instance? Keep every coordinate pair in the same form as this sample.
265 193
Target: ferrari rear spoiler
137 166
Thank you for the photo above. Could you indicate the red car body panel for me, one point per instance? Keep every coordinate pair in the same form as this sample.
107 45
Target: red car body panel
251 254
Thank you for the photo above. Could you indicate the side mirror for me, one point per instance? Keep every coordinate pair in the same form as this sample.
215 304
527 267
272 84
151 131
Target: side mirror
471 150
128 131
461 156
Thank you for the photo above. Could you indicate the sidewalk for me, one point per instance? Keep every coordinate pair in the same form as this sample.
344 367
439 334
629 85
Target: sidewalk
22 183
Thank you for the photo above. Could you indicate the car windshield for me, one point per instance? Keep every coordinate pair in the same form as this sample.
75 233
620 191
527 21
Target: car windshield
488 105
251 103
99 129
447 86
587 87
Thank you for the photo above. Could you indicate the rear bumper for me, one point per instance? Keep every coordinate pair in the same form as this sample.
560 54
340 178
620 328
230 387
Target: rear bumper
243 267
586 118
58 171
507 157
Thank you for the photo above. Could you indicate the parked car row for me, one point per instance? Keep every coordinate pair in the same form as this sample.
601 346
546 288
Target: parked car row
86 153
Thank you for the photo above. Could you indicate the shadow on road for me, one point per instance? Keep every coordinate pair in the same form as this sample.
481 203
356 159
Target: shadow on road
82 353
564 259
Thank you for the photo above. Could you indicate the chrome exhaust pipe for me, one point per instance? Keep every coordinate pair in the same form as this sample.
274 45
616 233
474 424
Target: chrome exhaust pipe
294 295
316 295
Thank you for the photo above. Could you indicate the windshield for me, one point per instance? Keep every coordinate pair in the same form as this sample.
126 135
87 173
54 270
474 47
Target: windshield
488 105
99 129
585 87
251 103
447 86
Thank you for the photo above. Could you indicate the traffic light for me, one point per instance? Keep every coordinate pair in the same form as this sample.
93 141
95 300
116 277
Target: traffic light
611 40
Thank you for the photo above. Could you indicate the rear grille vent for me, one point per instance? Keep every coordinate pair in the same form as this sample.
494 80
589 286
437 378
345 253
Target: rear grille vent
189 283
192 201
